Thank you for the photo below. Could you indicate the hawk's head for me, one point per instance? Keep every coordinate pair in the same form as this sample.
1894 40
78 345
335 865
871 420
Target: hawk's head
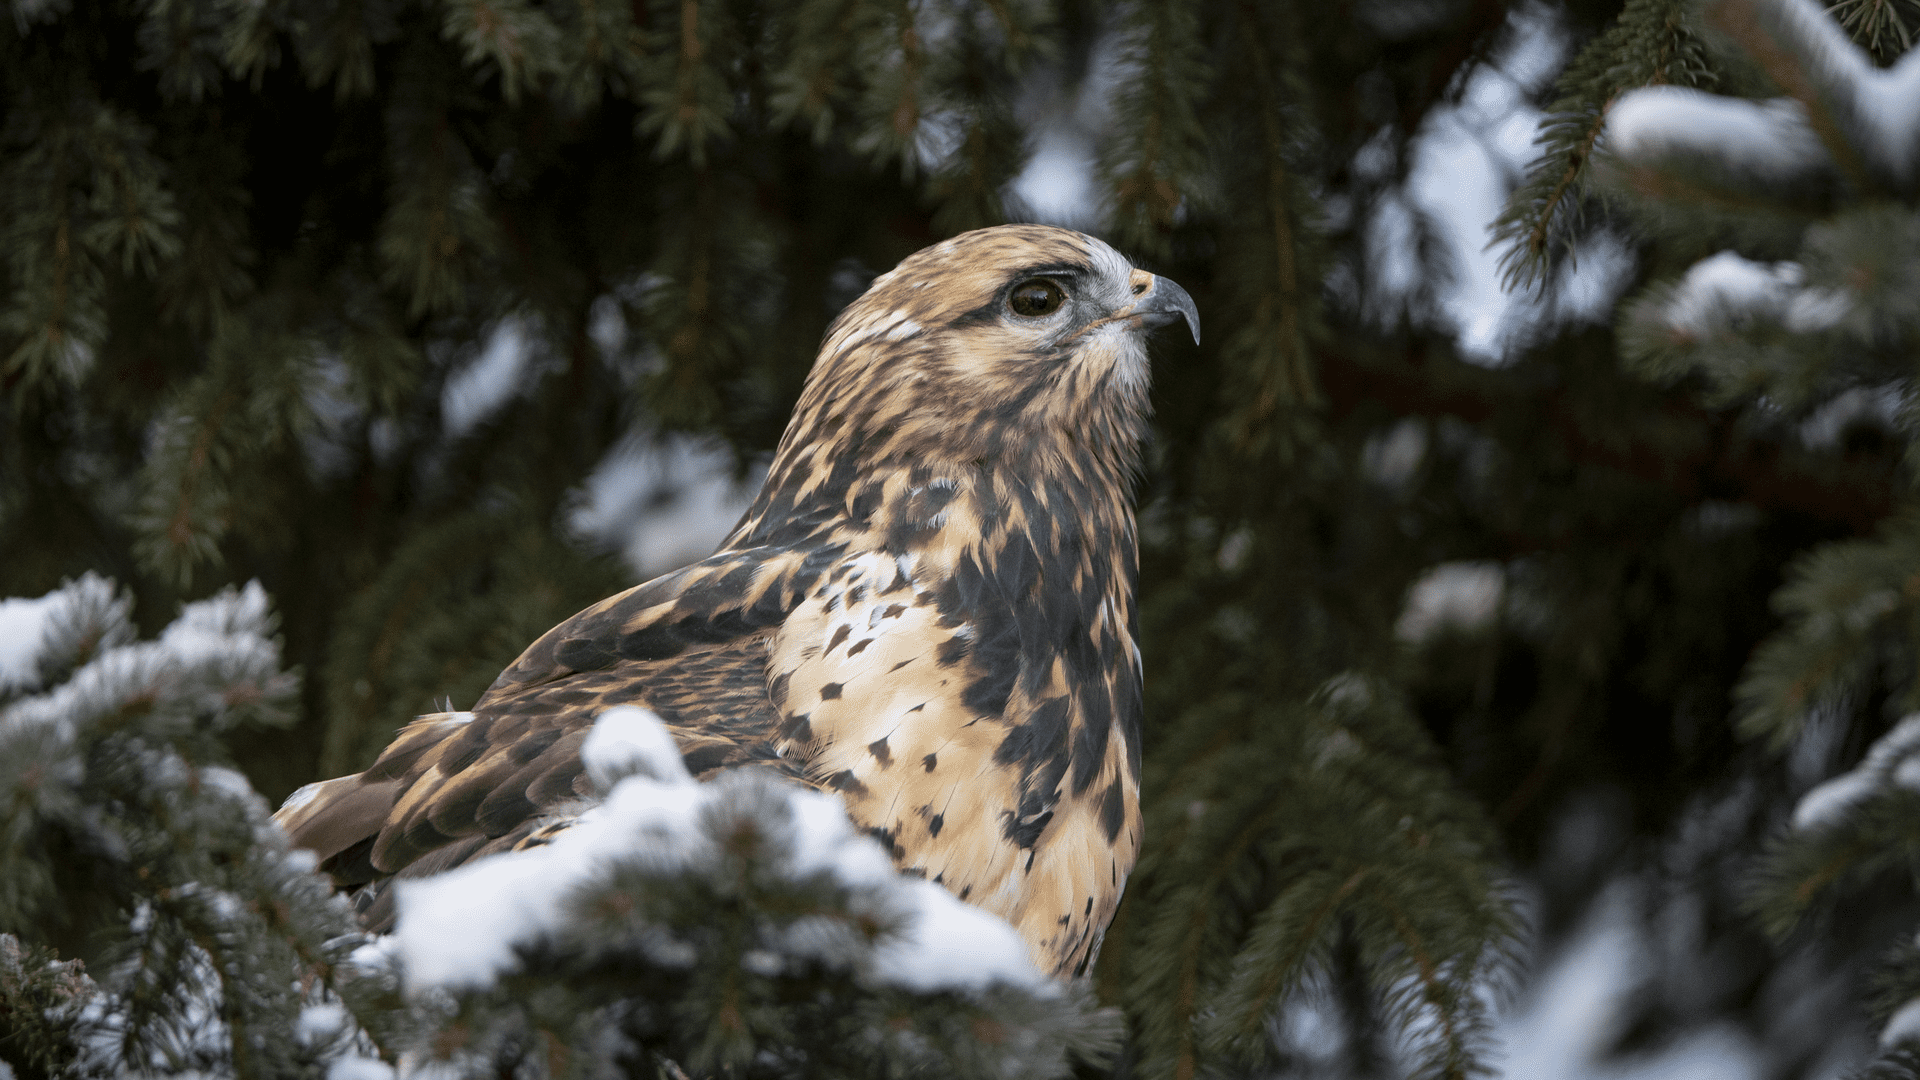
1013 345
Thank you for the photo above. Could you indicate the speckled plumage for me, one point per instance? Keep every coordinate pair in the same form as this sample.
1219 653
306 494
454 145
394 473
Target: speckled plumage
929 609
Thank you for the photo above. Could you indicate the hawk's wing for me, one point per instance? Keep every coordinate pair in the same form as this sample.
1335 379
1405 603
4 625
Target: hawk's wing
691 646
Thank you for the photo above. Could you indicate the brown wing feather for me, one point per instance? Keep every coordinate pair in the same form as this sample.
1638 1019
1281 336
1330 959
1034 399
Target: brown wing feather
691 646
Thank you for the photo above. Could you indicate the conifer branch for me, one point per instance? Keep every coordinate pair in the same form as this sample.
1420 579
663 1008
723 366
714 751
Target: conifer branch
1261 1001
687 104
1651 44
824 37
517 40
1879 25
1758 32
1153 166
1728 461
1843 604
1275 341
905 117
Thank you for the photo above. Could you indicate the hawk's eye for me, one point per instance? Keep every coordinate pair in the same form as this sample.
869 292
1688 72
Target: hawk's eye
1036 297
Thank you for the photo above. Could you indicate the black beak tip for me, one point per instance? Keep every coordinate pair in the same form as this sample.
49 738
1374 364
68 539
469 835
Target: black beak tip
1167 302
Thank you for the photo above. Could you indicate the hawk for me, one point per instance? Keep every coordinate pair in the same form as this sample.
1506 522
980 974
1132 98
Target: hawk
928 609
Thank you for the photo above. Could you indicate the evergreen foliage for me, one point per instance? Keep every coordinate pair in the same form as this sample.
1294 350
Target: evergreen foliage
1824 183
1652 43
123 826
254 252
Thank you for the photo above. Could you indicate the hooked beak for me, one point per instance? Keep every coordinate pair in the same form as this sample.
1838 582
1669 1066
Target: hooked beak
1164 303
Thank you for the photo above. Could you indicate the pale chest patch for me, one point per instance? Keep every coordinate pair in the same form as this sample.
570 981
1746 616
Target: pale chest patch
869 682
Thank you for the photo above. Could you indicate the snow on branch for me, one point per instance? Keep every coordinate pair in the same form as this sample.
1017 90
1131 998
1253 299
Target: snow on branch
1877 110
1893 763
465 928
1840 109
1770 138
219 936
216 662
41 636
722 925
1720 293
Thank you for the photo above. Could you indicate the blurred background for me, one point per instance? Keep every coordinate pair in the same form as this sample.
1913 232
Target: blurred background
442 320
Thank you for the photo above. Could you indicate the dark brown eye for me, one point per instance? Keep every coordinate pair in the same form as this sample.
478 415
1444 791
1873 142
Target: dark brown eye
1036 298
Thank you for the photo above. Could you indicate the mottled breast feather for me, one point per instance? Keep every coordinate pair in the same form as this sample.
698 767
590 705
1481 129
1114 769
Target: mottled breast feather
928 608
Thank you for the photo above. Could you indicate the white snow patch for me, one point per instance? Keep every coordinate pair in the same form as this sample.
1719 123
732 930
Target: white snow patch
630 741
1882 405
320 1023
27 624
214 646
1569 1023
1057 185
1903 1025
662 502
355 1067
949 945
1465 160
1719 290
1885 102
1891 762
228 780
1890 102
459 929
1456 595
23 627
375 955
490 380
1771 138
1392 457
1577 1008
1066 125
208 629
1828 803
1774 137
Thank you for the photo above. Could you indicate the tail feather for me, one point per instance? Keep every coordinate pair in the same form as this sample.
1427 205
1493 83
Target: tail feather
333 815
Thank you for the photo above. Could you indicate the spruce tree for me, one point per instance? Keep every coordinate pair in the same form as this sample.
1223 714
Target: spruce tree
1767 155
248 249
1811 303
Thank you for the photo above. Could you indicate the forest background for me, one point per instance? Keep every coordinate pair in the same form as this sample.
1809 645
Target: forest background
1516 637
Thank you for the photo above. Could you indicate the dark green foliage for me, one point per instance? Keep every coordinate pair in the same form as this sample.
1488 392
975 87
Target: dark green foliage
41 997
124 835
1246 910
429 628
1831 329
249 247
1652 43
297 222
1849 609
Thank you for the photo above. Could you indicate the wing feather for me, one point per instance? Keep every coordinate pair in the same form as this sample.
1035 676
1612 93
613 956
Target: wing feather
691 645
